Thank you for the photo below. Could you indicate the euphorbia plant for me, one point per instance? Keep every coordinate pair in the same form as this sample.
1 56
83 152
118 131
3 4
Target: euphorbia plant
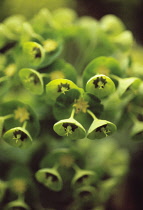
66 80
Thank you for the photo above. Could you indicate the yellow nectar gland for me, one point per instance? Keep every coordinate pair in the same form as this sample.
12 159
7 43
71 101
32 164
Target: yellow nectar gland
66 160
57 75
19 185
21 114
10 70
81 105
50 45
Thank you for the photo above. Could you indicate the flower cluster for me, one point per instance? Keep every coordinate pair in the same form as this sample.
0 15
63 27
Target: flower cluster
66 80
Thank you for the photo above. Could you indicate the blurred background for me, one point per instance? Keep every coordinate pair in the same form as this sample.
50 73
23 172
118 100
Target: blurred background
130 11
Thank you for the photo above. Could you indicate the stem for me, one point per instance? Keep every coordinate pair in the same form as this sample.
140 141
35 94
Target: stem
115 77
24 124
45 75
72 114
56 166
92 114
20 197
8 116
76 167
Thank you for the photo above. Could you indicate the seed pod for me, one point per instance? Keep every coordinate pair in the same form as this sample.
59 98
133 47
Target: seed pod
100 129
100 86
32 80
18 137
50 177
71 128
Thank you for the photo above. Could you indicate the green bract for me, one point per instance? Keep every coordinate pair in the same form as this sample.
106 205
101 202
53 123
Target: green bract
126 85
71 128
61 69
50 178
100 85
101 65
86 192
124 40
52 49
137 130
17 204
33 53
57 87
21 113
18 137
83 177
100 129
32 80
111 24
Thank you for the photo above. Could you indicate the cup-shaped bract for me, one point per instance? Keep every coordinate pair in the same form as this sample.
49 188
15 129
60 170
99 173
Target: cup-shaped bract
52 47
83 177
50 178
61 69
100 85
111 25
17 204
101 65
100 129
32 80
85 193
18 137
124 41
14 26
128 84
137 131
70 128
22 113
57 87
33 53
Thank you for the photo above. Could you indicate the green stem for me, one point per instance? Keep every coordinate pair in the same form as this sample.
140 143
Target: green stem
24 124
56 166
115 77
72 114
92 114
45 75
7 116
76 167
